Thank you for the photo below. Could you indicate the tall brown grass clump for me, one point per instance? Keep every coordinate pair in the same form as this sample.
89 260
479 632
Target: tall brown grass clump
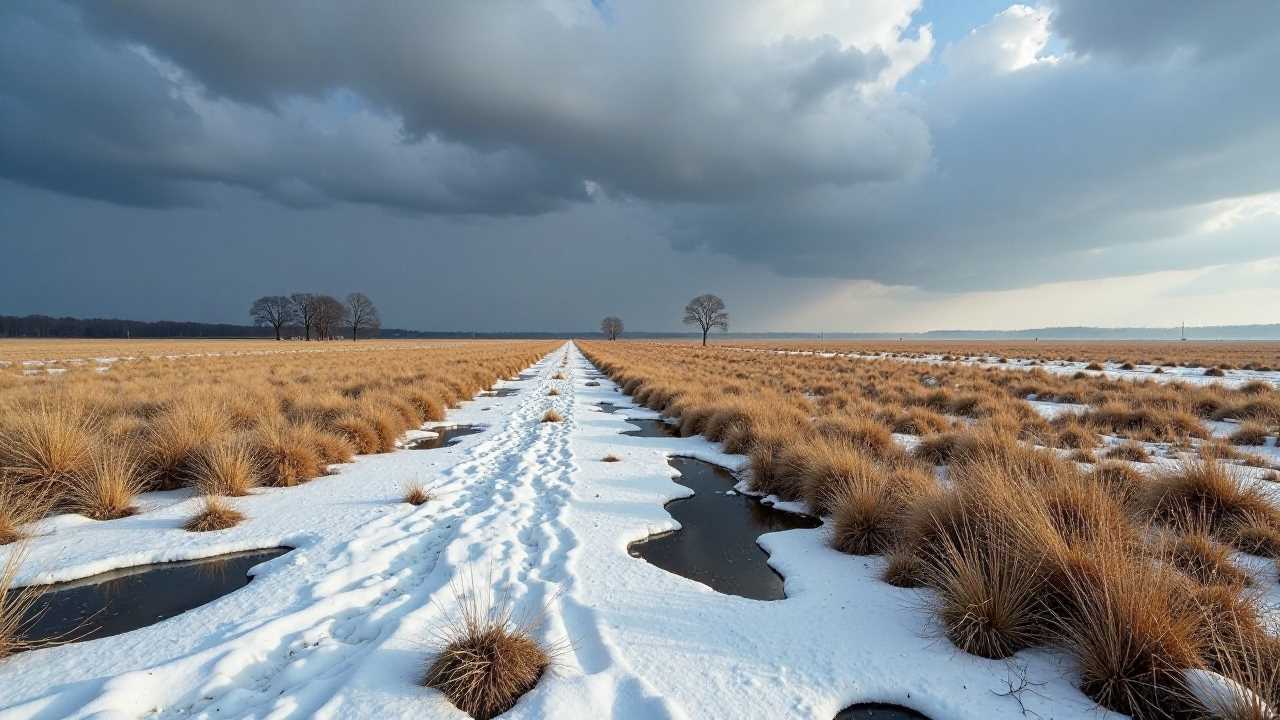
1131 633
1209 495
551 416
1120 480
487 659
20 504
284 457
226 468
1204 560
176 437
46 442
359 432
987 597
215 514
1251 432
107 487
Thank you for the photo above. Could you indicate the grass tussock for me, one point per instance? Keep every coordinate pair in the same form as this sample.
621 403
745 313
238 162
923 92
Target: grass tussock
1129 451
215 514
1251 432
107 487
417 495
553 392
552 416
1131 634
47 442
487 658
1210 496
20 504
611 458
1204 560
227 468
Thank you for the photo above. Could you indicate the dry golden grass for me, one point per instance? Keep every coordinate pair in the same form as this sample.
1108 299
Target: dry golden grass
1209 496
215 514
47 441
226 468
551 416
1204 560
1131 633
107 487
487 658
417 495
20 504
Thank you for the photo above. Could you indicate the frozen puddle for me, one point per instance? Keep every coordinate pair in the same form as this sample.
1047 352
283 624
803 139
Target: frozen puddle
122 600
444 436
716 542
878 711
500 392
650 428
608 407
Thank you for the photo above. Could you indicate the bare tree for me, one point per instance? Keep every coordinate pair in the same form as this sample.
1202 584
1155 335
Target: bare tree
706 311
305 308
362 314
274 310
611 327
330 315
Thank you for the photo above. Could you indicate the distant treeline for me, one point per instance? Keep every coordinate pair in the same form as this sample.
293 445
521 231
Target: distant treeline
43 326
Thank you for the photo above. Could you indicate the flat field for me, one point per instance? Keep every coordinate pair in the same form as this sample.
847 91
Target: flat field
981 539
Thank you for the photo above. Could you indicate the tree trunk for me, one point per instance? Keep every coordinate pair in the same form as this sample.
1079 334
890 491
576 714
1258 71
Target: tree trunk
704 336
277 332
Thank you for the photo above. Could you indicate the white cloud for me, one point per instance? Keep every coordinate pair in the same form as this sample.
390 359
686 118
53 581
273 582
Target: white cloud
1016 38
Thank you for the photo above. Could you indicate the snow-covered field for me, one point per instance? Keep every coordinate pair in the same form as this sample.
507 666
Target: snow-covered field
1169 373
342 627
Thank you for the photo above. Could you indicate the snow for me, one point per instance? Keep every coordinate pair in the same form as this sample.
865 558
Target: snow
342 627
1189 375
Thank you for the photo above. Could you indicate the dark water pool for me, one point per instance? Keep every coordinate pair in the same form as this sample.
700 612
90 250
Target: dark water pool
445 436
122 600
716 544
500 392
878 711
608 407
651 428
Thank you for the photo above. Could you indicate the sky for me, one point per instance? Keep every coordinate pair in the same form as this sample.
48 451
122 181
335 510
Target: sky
847 165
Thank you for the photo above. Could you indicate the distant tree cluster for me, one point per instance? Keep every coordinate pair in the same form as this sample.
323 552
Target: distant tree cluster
318 317
44 326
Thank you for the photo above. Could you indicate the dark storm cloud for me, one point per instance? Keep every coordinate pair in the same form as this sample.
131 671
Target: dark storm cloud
500 108
772 132
1151 29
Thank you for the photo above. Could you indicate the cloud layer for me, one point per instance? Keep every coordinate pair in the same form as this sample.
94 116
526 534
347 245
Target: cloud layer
1073 140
